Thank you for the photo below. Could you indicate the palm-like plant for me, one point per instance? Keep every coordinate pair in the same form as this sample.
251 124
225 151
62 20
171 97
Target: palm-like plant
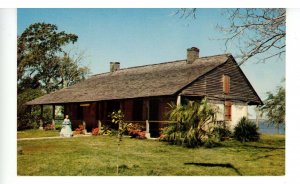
194 123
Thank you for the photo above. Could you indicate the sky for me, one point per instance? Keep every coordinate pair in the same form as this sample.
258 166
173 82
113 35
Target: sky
137 37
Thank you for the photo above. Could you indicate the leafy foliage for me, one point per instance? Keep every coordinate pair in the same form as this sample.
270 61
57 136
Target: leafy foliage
222 133
58 127
118 118
39 56
195 124
274 107
246 131
43 66
23 111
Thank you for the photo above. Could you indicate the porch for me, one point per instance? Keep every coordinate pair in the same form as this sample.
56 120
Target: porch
149 114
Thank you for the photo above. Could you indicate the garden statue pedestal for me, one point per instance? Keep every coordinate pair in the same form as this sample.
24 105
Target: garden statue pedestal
41 125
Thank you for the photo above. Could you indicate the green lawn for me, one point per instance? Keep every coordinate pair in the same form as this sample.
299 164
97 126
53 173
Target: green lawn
97 156
37 133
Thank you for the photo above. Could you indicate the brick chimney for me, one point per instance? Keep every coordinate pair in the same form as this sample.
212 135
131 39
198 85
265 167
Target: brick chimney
192 55
114 66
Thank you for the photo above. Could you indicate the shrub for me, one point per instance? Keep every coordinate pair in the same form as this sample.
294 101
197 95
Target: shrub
246 131
95 131
58 126
79 130
136 133
211 143
194 124
49 126
222 133
25 119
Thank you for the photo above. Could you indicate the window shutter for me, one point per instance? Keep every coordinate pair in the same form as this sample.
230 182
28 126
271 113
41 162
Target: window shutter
226 84
227 111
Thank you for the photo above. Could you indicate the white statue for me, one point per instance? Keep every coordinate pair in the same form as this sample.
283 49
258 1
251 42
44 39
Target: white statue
66 130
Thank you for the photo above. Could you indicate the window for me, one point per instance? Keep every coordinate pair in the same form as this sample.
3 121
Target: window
227 111
226 84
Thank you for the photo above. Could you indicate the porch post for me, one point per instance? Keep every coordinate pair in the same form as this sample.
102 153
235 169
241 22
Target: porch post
99 126
147 130
84 127
53 116
41 118
178 100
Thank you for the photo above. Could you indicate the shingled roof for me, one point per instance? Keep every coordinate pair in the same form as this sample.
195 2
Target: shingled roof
142 81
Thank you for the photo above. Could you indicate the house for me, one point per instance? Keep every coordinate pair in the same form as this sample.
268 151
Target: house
143 92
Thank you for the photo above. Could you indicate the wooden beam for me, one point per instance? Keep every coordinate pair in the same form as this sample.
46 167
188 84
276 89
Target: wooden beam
178 102
99 127
41 118
42 109
53 112
147 130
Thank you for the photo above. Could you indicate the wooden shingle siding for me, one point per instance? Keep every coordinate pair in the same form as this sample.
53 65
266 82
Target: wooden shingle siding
211 84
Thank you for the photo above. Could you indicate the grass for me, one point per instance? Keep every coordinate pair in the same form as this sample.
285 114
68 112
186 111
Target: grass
96 155
37 133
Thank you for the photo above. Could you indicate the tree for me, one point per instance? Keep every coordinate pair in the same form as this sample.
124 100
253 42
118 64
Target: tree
118 118
254 32
274 107
42 61
27 118
43 66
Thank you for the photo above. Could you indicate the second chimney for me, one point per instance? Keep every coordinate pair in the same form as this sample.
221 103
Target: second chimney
114 66
192 55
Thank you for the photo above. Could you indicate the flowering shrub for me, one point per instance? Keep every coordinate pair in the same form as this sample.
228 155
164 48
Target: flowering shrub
162 137
136 133
79 130
49 127
95 131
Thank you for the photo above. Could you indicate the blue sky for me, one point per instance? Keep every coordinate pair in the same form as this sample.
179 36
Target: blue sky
144 36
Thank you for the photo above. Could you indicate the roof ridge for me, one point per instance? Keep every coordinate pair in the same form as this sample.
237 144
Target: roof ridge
153 64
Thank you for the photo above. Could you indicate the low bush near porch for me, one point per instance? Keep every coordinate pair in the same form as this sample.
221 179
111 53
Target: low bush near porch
194 125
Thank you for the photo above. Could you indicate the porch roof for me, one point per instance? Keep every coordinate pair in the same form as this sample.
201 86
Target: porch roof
142 81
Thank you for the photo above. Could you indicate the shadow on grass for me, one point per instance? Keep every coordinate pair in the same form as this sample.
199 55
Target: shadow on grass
262 157
251 146
215 165
263 147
